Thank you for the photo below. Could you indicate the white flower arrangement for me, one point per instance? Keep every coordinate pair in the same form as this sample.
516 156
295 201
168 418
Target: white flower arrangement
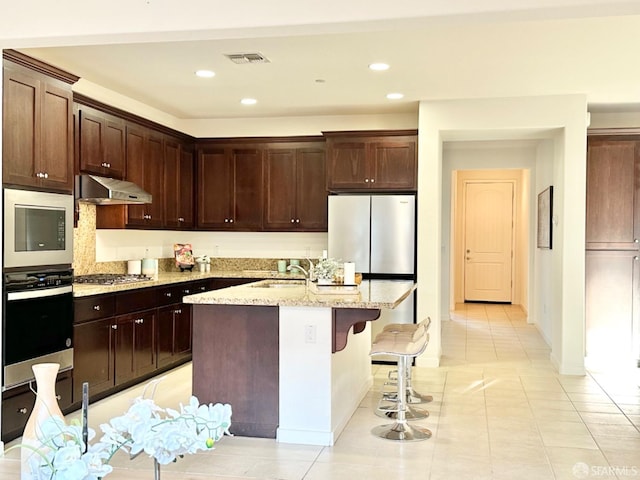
163 434
326 268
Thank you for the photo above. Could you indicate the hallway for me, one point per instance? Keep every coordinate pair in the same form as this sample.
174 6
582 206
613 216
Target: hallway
499 412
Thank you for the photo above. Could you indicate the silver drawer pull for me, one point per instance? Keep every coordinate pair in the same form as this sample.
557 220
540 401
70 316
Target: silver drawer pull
96 308
23 411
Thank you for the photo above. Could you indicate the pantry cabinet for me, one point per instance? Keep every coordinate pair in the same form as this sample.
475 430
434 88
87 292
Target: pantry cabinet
295 194
229 187
613 246
37 125
372 161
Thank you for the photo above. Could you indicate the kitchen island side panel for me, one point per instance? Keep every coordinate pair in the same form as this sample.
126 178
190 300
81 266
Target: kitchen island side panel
235 361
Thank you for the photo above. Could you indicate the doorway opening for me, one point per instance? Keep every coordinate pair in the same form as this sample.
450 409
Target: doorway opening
490 232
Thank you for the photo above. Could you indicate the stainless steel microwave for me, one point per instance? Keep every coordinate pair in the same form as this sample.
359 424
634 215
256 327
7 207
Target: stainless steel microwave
38 228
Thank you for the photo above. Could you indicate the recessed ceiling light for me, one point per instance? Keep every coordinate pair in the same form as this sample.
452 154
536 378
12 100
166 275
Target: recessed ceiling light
205 73
395 96
248 101
379 67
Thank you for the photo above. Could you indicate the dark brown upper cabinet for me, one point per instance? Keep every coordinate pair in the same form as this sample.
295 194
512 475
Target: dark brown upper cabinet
295 195
229 187
613 200
37 127
372 161
145 168
178 184
102 143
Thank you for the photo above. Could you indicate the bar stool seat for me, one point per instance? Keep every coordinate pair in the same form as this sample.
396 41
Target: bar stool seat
403 345
412 396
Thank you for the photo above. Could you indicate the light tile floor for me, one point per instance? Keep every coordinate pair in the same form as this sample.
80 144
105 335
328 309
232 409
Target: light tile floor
500 411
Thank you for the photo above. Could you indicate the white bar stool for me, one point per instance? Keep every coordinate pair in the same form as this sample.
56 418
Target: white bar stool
405 346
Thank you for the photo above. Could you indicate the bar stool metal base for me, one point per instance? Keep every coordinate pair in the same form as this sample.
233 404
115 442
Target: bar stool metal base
411 413
401 431
412 397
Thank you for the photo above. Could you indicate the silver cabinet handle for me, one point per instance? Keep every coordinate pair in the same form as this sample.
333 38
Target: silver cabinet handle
23 411
114 327
231 220
58 397
636 258
96 308
373 180
293 220
167 294
297 220
366 180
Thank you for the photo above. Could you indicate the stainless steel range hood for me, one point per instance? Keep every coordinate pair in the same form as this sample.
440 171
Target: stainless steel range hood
109 191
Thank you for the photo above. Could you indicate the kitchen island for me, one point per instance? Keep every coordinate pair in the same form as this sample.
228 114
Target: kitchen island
293 364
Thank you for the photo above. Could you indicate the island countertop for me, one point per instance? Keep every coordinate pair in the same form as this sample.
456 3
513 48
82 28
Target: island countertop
372 294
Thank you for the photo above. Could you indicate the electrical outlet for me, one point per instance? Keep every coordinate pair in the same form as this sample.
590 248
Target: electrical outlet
310 334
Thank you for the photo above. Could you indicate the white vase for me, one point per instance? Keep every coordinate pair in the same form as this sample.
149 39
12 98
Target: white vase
46 405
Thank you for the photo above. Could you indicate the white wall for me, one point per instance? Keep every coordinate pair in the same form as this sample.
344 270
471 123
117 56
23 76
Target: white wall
114 245
498 119
543 289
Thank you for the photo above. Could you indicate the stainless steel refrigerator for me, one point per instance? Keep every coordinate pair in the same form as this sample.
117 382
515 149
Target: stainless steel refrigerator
377 232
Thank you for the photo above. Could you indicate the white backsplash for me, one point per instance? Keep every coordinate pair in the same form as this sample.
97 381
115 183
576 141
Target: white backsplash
112 245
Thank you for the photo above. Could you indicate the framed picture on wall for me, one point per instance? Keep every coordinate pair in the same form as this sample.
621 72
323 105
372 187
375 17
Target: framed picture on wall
545 215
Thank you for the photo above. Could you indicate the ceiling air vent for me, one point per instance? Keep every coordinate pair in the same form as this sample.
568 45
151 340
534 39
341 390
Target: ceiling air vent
247 58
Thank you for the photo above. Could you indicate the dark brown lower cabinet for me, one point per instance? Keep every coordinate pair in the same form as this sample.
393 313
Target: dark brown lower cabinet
613 303
174 334
93 357
135 354
17 405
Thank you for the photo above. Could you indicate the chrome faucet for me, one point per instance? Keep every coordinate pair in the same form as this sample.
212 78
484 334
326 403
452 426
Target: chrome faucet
307 273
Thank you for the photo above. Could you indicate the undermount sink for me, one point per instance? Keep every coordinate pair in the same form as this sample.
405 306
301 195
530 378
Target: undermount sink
278 284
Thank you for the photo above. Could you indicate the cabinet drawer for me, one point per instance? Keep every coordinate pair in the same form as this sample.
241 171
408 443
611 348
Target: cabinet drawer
94 307
135 300
169 295
194 287
17 405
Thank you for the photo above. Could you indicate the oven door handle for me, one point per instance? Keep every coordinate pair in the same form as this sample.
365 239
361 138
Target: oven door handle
49 292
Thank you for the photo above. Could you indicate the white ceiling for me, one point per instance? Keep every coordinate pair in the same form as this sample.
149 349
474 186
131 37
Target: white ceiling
450 52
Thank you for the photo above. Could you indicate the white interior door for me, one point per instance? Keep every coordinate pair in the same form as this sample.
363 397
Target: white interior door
488 243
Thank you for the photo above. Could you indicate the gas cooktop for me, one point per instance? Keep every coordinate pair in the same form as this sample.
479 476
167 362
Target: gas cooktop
111 278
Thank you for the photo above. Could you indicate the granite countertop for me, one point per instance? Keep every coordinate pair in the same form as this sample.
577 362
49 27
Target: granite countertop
372 294
168 278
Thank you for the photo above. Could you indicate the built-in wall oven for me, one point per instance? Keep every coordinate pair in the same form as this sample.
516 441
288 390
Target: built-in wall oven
38 229
37 322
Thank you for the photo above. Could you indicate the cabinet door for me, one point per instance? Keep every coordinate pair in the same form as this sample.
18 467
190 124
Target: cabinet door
172 183
56 141
347 165
20 128
280 187
154 179
165 335
393 164
144 342
186 188
613 304
135 171
311 192
102 144
114 147
124 349
93 356
247 189
613 203
214 191
182 331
